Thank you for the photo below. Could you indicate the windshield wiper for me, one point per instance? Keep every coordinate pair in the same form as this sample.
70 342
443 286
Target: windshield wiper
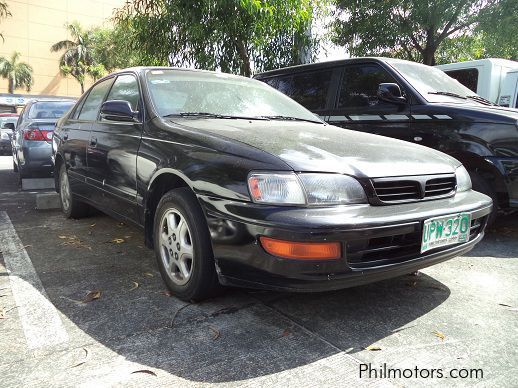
450 94
482 100
213 116
291 118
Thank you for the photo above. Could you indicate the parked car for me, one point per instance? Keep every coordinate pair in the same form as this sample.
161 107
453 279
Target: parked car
490 78
7 125
235 183
416 103
32 138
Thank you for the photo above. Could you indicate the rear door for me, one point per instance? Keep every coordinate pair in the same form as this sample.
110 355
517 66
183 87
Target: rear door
76 137
358 107
112 152
313 89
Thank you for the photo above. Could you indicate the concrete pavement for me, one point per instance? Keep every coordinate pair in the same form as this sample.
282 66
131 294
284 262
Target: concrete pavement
458 315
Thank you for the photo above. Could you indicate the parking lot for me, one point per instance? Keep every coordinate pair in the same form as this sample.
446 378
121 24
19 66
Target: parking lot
82 303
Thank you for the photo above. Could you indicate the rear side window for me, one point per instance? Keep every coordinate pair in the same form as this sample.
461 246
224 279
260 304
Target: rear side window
308 89
467 77
125 88
359 85
92 105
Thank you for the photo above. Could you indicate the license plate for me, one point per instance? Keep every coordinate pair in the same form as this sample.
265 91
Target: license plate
446 230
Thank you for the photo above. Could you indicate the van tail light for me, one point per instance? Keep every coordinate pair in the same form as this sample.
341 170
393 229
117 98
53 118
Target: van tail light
301 250
37 134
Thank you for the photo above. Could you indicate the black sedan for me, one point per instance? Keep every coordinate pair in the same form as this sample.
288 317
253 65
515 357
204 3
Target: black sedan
236 184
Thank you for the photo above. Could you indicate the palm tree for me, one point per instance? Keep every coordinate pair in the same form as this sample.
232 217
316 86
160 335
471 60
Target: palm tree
18 74
78 56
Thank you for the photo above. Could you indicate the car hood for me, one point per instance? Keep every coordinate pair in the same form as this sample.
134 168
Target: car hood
481 113
326 148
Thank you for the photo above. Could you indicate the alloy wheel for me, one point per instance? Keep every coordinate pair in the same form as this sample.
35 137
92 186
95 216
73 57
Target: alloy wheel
176 247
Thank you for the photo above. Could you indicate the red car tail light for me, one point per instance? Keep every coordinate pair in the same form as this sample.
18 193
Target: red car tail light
301 250
37 134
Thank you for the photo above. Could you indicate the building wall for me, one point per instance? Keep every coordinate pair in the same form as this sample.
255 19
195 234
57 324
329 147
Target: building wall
35 25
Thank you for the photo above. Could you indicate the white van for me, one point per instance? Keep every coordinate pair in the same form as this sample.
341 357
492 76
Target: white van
509 93
487 77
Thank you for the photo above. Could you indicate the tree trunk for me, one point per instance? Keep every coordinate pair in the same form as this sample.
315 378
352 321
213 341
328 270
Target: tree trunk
429 55
10 87
82 87
243 55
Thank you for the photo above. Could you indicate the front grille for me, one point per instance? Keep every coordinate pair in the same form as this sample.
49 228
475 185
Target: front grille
395 191
411 189
372 252
440 186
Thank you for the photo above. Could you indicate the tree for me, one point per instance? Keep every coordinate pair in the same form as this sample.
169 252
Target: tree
4 12
414 29
234 36
499 30
110 48
78 58
18 74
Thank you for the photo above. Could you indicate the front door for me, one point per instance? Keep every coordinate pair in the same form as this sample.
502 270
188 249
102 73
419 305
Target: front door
358 107
112 154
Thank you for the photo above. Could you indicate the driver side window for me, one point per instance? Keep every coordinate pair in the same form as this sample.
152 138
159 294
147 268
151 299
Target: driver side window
125 88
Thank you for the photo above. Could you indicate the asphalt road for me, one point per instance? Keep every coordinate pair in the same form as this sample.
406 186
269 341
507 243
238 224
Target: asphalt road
82 304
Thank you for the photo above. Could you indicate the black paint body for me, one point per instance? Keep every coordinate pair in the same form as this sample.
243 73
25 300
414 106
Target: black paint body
123 168
483 138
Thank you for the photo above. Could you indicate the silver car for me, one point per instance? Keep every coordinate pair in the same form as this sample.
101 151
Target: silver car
7 125
32 138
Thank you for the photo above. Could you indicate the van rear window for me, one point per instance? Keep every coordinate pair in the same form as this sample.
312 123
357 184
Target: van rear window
467 77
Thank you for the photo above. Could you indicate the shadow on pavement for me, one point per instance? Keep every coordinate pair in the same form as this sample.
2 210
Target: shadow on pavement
240 335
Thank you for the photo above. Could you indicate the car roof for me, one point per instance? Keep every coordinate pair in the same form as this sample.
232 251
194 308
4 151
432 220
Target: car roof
329 64
142 69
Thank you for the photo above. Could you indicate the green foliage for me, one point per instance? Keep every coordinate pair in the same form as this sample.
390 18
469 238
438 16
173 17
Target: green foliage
499 31
231 35
18 74
4 13
111 49
413 29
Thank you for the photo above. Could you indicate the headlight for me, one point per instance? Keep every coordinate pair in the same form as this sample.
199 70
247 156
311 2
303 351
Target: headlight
305 189
4 135
463 179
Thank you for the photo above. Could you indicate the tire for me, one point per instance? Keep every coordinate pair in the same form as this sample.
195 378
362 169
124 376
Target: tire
71 207
183 247
482 186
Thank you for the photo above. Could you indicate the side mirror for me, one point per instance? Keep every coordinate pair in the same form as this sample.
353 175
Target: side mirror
118 110
9 125
390 93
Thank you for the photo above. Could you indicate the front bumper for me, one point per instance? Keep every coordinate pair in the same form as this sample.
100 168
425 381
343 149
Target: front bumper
378 242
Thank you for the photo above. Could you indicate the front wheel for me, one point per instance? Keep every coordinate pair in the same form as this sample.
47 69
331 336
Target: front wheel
72 208
183 248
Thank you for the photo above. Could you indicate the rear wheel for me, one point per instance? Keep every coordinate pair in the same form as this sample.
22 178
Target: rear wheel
183 248
482 186
72 208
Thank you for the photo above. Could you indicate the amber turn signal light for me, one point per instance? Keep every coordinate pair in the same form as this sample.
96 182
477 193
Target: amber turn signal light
301 250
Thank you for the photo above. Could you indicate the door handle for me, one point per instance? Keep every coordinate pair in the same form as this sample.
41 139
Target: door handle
93 141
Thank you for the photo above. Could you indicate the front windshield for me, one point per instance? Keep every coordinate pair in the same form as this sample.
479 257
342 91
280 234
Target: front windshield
178 92
429 80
